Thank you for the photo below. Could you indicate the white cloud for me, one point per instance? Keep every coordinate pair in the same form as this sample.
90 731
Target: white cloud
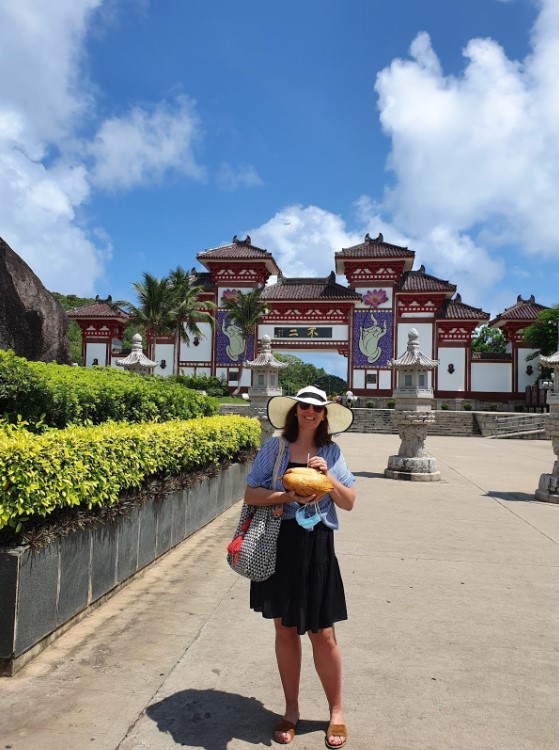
142 146
41 57
478 148
304 239
47 171
232 178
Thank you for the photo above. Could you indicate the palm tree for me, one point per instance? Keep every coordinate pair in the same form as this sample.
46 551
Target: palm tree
187 309
154 311
245 310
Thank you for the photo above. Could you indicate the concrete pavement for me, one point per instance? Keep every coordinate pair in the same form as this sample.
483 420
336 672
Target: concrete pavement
452 641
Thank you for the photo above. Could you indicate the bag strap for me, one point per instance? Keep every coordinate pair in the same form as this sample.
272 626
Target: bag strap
277 510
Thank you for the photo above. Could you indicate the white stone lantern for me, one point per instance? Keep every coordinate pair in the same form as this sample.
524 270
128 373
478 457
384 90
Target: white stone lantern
265 384
412 415
137 361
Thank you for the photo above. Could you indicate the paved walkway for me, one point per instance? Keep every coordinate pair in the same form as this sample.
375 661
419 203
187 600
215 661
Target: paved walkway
452 641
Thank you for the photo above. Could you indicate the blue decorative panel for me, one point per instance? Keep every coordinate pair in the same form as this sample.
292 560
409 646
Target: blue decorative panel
230 343
372 338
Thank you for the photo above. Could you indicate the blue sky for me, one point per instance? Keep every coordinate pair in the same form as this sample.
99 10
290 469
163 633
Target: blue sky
136 133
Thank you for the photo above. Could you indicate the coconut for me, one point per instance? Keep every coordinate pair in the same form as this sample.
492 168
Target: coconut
305 481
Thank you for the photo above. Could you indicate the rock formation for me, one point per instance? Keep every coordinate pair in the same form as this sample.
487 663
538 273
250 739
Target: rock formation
32 323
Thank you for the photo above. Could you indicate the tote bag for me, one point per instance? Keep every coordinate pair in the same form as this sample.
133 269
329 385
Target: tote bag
252 551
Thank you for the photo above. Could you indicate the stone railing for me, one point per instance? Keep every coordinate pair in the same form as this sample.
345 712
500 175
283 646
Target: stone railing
447 422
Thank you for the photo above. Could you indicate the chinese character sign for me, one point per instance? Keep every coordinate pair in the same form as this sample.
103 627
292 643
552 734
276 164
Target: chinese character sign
303 332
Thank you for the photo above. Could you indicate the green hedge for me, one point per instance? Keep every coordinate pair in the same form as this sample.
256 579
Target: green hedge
59 395
92 466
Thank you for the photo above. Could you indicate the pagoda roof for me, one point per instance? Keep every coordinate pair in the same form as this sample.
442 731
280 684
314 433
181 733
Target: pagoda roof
413 357
455 309
525 310
303 288
551 361
265 358
237 251
419 281
375 248
203 279
100 308
136 358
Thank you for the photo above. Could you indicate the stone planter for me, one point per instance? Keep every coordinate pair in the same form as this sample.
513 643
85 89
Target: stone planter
43 592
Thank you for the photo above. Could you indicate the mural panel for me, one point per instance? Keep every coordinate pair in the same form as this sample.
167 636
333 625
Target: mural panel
230 342
372 338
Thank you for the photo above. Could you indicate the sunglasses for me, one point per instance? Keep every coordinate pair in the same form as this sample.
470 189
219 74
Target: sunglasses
304 407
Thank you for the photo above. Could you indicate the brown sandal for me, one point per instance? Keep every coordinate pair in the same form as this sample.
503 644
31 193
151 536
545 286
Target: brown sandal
285 727
336 730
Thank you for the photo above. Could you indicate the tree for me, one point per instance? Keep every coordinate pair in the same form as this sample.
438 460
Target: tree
298 374
245 310
331 384
542 334
187 309
487 339
74 334
154 313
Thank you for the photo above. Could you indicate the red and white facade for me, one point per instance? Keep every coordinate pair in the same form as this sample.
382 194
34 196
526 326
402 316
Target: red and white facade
366 320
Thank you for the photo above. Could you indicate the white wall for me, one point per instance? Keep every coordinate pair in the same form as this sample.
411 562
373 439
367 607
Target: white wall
166 352
425 331
457 380
384 379
359 378
202 352
523 378
98 351
491 376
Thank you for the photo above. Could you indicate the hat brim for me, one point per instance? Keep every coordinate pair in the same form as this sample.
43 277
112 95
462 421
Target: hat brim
340 418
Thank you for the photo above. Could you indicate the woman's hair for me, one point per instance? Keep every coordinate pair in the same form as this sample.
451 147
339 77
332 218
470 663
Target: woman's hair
290 432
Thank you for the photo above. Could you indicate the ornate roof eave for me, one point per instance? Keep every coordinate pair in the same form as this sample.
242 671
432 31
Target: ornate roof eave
136 358
99 308
383 249
339 292
551 361
265 358
454 310
438 286
412 359
523 311
239 251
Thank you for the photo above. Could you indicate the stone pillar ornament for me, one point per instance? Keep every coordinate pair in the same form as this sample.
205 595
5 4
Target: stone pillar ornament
548 489
412 415
265 384
137 361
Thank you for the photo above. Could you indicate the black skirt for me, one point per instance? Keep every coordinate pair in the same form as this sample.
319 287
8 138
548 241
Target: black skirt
306 591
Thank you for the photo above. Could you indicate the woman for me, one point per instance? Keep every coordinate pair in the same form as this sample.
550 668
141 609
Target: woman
306 593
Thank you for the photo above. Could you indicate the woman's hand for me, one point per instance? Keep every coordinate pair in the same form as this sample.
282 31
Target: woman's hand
318 463
301 499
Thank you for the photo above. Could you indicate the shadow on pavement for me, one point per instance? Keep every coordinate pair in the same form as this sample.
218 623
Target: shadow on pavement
368 474
521 497
213 718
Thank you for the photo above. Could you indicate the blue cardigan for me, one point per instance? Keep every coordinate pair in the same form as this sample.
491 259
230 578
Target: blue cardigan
261 476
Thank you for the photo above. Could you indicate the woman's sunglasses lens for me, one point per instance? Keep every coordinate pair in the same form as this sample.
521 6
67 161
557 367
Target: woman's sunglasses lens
304 407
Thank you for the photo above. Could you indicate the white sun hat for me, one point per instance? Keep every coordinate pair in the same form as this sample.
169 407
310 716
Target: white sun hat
340 418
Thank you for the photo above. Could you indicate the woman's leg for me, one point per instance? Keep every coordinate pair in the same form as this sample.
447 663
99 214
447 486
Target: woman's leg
328 664
288 655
